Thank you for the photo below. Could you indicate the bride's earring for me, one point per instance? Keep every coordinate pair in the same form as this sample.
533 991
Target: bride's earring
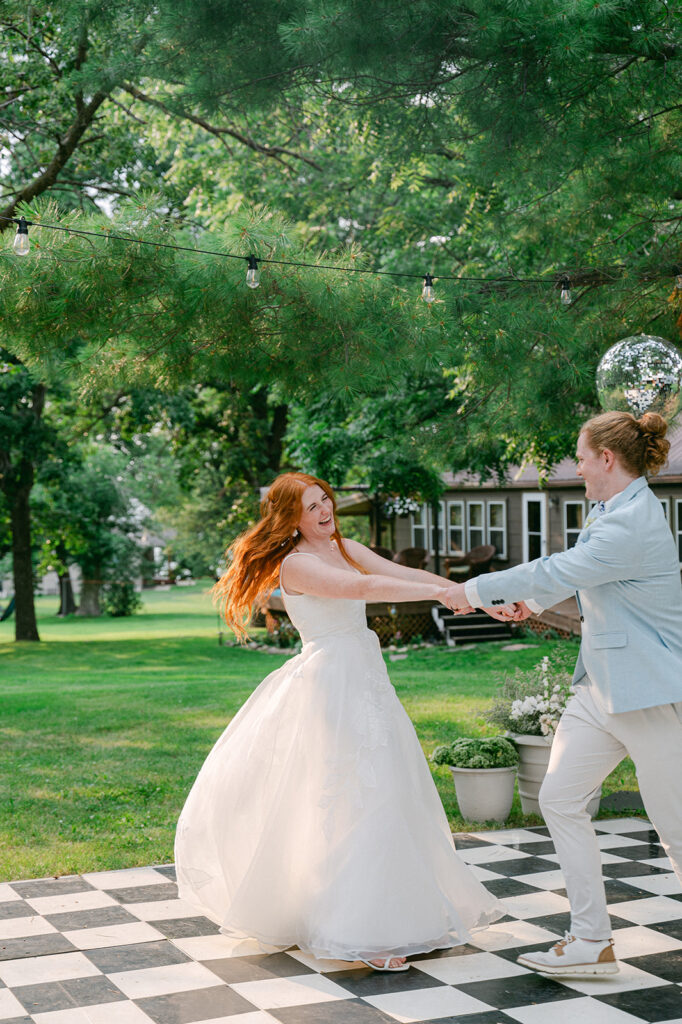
295 535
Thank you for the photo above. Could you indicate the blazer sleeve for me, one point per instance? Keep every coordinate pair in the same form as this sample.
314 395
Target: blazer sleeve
607 554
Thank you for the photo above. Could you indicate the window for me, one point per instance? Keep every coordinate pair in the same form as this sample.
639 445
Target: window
497 527
534 526
441 528
456 527
419 527
475 524
678 527
665 502
574 520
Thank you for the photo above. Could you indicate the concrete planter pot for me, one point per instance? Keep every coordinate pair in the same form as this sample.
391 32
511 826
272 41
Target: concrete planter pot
484 794
534 752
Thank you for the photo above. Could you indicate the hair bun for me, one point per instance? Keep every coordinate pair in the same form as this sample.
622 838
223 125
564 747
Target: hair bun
652 424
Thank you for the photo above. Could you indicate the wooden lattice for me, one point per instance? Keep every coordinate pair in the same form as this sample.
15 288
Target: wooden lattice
536 625
402 627
391 629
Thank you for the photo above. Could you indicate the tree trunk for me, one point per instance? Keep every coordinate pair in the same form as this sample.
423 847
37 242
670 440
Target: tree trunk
67 602
89 605
25 625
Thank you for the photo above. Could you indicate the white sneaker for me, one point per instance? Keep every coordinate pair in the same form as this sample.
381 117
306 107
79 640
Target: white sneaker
574 956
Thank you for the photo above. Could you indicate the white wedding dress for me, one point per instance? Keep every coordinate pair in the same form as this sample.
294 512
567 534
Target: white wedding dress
314 821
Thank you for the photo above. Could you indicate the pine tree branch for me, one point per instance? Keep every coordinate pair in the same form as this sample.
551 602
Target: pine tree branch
14 94
111 190
66 147
86 428
275 152
11 27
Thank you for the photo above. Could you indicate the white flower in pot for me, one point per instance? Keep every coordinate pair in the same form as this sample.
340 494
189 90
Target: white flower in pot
529 708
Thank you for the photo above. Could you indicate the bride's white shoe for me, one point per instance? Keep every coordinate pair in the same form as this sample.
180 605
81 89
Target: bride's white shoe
386 965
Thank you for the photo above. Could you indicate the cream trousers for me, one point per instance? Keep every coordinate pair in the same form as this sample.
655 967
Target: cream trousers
588 745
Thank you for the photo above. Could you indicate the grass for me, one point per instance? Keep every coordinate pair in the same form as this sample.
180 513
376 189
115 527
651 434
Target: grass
105 723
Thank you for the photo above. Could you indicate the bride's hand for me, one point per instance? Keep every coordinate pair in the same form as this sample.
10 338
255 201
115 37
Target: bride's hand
454 597
503 612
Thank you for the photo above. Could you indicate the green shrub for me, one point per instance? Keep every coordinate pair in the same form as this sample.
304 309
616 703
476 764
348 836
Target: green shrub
493 752
120 599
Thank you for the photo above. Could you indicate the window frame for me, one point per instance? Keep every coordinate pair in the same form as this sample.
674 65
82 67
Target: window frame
477 529
502 502
572 529
527 497
462 505
441 547
423 512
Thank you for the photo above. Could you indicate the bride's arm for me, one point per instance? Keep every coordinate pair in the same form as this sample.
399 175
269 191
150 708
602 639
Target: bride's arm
374 563
307 574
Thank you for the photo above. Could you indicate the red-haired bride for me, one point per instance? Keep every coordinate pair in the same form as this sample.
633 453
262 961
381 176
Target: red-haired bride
314 821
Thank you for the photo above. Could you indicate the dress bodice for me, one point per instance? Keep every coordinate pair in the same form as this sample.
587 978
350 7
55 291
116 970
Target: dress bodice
318 617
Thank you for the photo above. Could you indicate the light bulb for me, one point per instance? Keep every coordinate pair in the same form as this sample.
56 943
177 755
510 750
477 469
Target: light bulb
566 297
427 291
21 244
253 274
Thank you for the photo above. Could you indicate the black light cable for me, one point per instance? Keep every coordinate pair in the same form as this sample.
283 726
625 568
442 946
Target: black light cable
21 246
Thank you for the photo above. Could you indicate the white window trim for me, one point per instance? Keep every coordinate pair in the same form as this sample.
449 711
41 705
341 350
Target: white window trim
678 524
420 526
429 545
479 529
527 497
567 502
498 529
453 551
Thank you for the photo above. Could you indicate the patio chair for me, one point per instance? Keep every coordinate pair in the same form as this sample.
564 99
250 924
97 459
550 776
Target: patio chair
473 563
414 558
384 552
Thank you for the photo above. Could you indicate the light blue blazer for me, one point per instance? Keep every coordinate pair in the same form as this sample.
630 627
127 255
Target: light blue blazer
624 571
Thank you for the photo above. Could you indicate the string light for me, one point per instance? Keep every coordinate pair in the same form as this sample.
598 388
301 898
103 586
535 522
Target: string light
427 290
21 244
252 274
21 247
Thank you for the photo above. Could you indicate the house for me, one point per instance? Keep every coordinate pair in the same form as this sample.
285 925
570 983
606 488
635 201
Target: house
519 517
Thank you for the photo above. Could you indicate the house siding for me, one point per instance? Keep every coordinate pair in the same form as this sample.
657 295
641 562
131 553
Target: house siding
399 530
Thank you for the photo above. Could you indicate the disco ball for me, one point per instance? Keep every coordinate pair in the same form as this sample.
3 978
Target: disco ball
641 374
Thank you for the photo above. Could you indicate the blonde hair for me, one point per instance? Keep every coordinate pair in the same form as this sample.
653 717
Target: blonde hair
639 444
255 556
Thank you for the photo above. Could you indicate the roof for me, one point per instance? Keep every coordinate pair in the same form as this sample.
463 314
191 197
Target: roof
563 474
357 503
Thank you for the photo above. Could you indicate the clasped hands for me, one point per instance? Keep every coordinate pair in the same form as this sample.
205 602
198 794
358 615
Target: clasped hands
455 599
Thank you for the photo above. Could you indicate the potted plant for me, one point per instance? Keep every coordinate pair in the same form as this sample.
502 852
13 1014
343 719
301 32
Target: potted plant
483 771
529 708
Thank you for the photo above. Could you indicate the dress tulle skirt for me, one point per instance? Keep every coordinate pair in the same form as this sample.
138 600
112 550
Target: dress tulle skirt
315 821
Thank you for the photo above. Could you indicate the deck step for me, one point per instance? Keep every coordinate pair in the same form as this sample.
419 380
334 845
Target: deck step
473 628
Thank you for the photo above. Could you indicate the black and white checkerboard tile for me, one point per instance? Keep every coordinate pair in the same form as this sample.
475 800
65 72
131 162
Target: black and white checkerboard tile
119 947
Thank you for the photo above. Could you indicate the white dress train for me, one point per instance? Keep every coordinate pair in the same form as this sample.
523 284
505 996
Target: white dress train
314 821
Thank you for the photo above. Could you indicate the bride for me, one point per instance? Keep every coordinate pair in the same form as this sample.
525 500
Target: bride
314 821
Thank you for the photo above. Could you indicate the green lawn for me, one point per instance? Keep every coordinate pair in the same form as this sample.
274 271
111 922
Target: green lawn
105 724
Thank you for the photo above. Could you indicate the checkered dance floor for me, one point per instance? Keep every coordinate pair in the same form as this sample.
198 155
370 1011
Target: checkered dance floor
118 947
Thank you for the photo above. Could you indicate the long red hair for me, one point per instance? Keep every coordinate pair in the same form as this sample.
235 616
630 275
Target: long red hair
255 556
